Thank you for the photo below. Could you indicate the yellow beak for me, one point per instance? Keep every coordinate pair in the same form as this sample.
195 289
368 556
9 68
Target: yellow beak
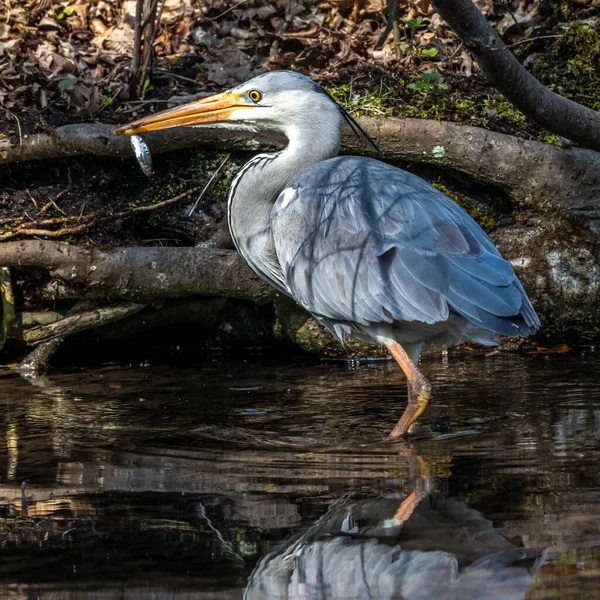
208 110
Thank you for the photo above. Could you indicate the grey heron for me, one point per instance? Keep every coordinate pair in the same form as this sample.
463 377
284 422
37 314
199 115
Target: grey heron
370 250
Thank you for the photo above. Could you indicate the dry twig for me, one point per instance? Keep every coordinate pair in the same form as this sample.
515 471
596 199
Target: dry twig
214 175
93 219
531 39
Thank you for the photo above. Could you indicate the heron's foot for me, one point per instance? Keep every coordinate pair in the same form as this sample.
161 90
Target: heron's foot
419 395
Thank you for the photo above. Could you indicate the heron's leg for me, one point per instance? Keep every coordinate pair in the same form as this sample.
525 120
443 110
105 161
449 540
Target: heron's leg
419 389
407 507
420 476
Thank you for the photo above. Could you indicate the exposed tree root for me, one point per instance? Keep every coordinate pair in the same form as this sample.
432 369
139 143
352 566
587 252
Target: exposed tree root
568 177
81 322
140 274
98 140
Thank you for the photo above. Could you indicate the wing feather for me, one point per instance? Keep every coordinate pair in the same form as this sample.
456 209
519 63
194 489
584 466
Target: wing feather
365 242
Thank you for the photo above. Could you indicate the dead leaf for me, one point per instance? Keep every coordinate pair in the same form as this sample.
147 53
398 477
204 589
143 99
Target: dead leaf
4 31
48 24
98 27
519 23
466 64
53 64
242 34
485 6
10 47
424 7
301 34
84 99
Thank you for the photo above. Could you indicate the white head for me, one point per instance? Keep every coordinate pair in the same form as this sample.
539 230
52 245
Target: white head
282 100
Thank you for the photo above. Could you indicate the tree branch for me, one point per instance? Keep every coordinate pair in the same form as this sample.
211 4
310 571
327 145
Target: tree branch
550 110
98 140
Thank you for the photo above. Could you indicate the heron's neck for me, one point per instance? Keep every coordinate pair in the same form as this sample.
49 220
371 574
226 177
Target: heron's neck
260 182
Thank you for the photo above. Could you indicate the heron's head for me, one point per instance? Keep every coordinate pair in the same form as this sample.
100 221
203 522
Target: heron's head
279 100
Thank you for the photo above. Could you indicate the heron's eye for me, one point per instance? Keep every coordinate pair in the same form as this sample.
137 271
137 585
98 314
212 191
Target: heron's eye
254 95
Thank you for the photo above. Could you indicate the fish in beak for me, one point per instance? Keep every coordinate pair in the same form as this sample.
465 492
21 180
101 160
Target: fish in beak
208 110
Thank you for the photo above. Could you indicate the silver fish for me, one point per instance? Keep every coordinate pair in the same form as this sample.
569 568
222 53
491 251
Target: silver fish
142 153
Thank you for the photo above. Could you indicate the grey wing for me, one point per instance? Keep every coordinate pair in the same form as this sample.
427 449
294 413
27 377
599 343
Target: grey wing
364 242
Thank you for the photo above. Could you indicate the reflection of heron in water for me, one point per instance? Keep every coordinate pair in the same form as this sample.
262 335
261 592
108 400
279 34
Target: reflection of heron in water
444 550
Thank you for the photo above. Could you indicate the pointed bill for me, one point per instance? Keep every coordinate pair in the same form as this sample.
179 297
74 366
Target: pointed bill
208 110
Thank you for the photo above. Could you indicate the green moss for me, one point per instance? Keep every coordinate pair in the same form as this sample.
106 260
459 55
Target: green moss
486 219
550 138
440 104
564 9
506 111
570 64
362 102
223 185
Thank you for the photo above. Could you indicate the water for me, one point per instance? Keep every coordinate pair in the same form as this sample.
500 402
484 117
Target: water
181 483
